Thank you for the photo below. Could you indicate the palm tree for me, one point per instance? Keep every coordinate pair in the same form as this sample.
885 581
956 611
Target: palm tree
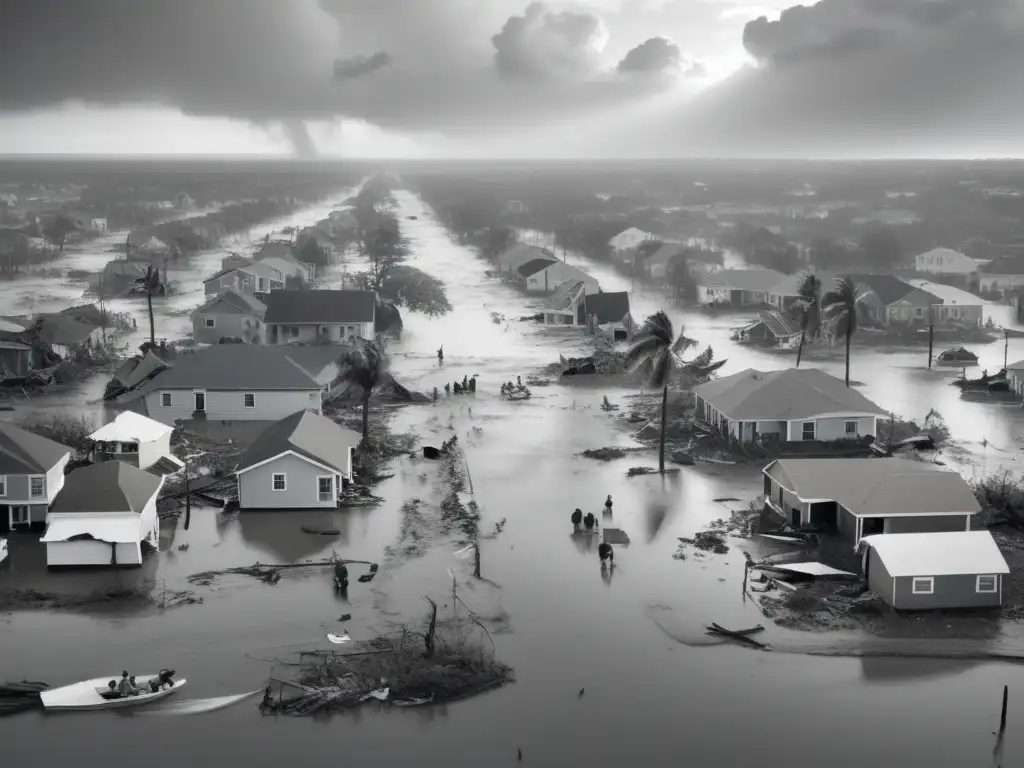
839 306
151 286
365 365
655 351
809 306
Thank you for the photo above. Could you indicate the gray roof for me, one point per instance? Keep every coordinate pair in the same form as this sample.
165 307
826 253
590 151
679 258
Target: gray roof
534 266
320 307
877 487
608 307
234 367
520 253
307 434
240 301
787 395
743 279
25 453
64 329
110 486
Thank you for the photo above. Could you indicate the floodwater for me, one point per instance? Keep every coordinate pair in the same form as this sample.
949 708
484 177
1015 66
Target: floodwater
554 616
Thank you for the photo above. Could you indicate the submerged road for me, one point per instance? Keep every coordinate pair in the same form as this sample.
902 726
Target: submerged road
556 618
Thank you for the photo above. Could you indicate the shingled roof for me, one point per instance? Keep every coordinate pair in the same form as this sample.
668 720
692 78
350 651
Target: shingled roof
308 434
110 486
25 453
320 307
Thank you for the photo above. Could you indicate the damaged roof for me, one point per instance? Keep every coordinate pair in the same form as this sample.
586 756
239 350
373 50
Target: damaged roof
321 306
64 329
110 486
308 434
26 453
786 395
877 487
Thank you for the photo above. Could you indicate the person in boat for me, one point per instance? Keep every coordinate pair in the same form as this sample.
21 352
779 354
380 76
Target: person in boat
577 518
126 687
519 383
605 552
341 574
589 521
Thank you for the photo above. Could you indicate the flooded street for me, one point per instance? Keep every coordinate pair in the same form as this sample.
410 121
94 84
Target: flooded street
556 620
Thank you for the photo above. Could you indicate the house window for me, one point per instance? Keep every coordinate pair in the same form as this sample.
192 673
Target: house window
295 331
986 585
923 585
955 312
247 323
325 488
129 447
279 482
165 399
20 515
808 430
250 400
200 401
3 486
210 322
919 311
851 427
37 487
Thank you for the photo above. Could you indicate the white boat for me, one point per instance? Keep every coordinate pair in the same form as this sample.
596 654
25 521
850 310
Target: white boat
90 694
3 549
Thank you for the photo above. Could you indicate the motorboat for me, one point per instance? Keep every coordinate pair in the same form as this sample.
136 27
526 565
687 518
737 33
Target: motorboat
958 357
96 694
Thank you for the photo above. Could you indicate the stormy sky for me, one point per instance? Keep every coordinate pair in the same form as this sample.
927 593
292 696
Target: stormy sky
513 78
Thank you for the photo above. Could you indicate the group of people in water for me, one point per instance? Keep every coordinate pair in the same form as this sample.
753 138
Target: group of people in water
589 523
509 388
128 687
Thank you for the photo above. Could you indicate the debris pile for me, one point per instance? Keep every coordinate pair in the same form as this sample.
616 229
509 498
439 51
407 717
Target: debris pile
31 599
705 541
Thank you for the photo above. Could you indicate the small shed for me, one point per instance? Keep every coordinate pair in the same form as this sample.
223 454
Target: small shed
104 514
919 571
134 439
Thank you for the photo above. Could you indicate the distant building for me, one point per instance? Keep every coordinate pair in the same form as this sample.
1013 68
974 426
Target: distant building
1004 274
98 224
514 206
945 261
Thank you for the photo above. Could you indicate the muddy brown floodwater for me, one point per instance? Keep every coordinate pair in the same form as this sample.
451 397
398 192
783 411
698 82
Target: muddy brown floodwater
562 625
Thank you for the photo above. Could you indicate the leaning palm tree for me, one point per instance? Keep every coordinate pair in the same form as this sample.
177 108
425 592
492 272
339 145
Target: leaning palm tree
809 306
365 365
151 286
656 352
839 307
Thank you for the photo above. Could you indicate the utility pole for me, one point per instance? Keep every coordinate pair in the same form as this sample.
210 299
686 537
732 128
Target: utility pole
1006 348
188 499
931 334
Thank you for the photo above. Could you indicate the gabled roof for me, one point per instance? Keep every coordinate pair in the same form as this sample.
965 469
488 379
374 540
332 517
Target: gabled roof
110 486
877 487
564 295
665 253
308 434
131 427
629 231
302 306
256 268
520 253
64 329
238 300
950 553
887 288
25 453
232 367
286 265
273 248
743 279
787 395
534 266
608 307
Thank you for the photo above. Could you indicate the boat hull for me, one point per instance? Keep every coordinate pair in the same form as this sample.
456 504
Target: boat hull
84 696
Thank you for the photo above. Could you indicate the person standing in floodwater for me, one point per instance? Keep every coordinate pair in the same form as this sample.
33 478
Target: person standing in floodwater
577 518
440 355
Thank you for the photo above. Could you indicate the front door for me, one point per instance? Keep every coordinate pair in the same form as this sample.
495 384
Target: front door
795 514
200 401
20 515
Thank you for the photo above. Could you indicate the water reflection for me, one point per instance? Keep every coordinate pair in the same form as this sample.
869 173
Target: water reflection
662 502
281 534
607 571
900 670
585 541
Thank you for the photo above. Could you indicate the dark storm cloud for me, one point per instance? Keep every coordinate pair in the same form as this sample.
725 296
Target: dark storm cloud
655 55
542 43
862 77
357 66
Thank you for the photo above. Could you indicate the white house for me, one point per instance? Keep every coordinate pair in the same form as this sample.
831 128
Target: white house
31 476
304 316
629 238
945 261
565 307
290 267
255 278
510 260
1005 274
791 405
543 276
106 513
739 287
237 382
301 462
136 440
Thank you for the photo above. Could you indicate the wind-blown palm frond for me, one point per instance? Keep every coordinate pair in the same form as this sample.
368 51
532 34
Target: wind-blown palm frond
840 308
